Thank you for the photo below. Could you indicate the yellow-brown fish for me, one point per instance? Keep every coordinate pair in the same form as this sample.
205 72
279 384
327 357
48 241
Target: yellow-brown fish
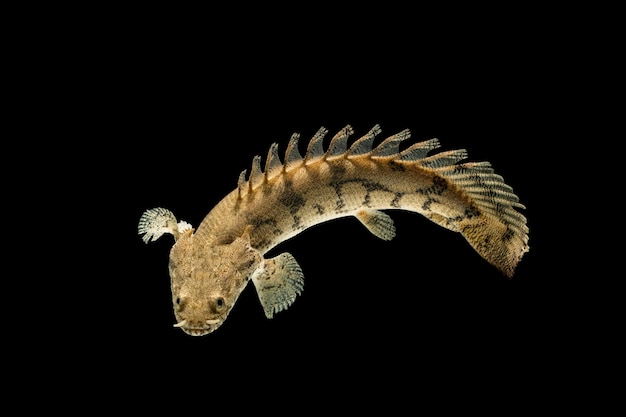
210 268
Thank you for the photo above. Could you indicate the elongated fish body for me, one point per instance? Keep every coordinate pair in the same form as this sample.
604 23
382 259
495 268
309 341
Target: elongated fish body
210 268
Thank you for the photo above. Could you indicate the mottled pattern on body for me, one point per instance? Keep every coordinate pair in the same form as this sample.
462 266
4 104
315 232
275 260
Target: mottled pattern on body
210 268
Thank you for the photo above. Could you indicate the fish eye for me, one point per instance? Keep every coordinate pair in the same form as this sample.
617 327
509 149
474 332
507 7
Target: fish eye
180 303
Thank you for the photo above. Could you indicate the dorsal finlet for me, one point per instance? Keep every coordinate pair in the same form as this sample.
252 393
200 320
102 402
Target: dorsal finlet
443 159
338 144
292 155
315 150
363 145
241 182
419 150
273 166
391 146
256 175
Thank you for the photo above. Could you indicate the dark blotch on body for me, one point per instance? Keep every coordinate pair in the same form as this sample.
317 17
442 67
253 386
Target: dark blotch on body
395 166
319 208
396 200
438 187
293 201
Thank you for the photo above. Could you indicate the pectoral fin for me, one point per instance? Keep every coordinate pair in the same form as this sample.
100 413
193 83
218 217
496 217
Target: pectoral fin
155 222
278 281
377 222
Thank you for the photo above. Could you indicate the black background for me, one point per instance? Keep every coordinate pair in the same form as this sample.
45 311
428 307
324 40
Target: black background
167 113
423 300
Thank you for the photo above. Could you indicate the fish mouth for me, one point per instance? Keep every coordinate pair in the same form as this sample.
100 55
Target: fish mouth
198 331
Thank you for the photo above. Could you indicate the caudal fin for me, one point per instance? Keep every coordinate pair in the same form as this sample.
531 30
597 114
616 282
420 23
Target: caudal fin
495 229
501 244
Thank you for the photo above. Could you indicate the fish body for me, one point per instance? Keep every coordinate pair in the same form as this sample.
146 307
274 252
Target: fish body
210 266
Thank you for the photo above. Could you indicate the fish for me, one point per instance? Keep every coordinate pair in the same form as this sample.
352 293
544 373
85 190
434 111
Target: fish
210 266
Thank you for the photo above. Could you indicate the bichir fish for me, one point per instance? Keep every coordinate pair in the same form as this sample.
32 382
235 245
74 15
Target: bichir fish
209 267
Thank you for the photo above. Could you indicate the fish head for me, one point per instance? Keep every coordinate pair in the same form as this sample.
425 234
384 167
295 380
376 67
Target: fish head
207 281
